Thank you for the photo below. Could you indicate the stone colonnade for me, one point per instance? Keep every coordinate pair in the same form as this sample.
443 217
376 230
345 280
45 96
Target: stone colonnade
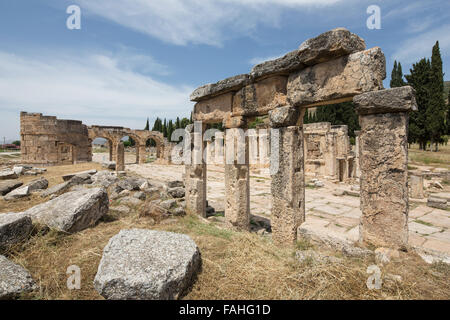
331 68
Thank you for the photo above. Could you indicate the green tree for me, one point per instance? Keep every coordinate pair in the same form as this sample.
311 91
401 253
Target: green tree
435 113
397 76
147 125
419 79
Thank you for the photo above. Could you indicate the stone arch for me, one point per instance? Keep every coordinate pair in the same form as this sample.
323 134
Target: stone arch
144 136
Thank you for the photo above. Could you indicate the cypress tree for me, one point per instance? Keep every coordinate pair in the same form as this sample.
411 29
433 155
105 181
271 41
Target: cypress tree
394 75
419 79
435 114
397 76
147 125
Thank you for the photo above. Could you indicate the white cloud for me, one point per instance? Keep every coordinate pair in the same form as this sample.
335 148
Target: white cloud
419 46
195 21
96 88
258 60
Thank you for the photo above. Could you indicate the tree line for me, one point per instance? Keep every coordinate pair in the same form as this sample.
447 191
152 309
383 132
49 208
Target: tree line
429 125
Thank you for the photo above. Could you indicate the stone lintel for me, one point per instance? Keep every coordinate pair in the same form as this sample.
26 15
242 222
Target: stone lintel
327 46
212 89
338 80
284 117
234 122
401 99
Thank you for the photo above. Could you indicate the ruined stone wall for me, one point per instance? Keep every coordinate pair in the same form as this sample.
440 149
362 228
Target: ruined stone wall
330 68
48 140
327 151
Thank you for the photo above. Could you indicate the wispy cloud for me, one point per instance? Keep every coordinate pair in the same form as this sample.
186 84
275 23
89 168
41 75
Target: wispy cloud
258 60
195 21
419 46
98 88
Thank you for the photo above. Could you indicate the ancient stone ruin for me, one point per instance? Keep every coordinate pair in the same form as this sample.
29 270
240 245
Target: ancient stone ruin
50 141
331 68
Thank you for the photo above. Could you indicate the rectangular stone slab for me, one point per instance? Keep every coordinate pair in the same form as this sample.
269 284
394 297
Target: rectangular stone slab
327 46
338 80
214 109
220 87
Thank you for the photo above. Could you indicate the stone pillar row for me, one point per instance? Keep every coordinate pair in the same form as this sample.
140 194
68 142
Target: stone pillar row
383 155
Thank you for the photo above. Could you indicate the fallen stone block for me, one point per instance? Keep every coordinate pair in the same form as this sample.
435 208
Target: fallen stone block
56 190
38 184
19 193
73 211
177 192
8 175
104 178
130 201
147 265
67 177
8 186
14 280
437 203
129 184
175 184
109 165
140 195
14 228
18 170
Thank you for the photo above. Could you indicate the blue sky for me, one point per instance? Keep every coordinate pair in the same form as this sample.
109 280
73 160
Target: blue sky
134 59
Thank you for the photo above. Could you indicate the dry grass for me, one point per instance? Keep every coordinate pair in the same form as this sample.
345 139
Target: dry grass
236 265
54 177
439 159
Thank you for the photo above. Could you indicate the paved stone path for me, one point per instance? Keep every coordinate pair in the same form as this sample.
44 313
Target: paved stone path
337 216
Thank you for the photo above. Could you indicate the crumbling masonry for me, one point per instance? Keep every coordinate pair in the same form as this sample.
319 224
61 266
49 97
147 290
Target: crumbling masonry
50 141
331 68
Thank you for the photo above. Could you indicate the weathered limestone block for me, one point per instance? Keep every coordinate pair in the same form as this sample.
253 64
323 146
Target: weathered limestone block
383 161
14 280
73 211
58 189
14 228
147 265
67 177
195 191
416 184
437 203
327 46
214 109
338 80
400 99
284 117
38 184
288 187
8 174
234 122
260 97
8 186
237 180
220 87
19 193
120 162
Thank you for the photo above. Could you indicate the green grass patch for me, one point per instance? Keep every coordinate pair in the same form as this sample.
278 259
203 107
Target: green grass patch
424 223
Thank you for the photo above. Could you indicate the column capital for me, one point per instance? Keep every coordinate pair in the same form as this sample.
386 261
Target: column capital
401 99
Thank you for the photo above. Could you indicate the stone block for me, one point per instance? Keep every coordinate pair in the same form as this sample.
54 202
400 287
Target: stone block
338 80
401 99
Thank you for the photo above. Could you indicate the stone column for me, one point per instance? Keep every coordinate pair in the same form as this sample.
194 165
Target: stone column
383 152
111 150
416 181
142 153
195 172
120 157
237 175
219 148
356 164
288 182
136 148
253 146
263 147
